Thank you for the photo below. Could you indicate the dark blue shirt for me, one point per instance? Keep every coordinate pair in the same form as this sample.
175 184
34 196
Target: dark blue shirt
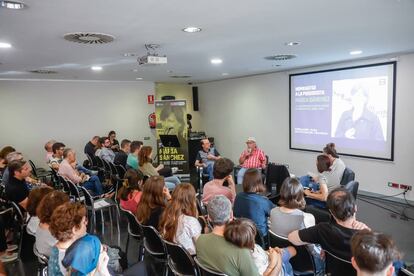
255 207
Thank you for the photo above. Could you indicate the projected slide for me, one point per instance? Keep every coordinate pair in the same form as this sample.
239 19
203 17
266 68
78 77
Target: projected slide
352 107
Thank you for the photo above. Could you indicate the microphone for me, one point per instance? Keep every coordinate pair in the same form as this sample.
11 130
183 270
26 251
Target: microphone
169 129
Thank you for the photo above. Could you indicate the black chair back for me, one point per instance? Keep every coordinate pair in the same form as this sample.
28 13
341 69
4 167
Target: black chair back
113 169
180 261
275 175
99 163
352 187
336 266
205 271
74 191
120 171
34 169
347 176
107 167
153 242
302 262
134 226
64 184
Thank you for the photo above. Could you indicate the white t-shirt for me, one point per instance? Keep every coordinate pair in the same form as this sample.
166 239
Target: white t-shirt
188 231
334 176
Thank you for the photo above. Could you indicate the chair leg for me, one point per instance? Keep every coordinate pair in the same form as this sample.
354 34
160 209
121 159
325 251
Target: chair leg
102 224
111 222
127 244
117 225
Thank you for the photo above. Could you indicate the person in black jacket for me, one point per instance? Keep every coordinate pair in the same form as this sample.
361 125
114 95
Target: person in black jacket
90 147
122 155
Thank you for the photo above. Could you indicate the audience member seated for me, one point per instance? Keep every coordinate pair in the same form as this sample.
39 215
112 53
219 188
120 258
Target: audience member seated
87 256
3 160
275 261
252 204
67 170
48 149
179 223
317 193
131 191
57 157
122 155
67 224
146 167
334 236
251 158
222 172
206 157
114 143
214 252
44 239
289 216
35 197
132 160
373 254
16 188
91 146
337 168
153 201
104 150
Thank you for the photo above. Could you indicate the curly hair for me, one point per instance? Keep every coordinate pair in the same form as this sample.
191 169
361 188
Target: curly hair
35 197
183 202
49 203
65 218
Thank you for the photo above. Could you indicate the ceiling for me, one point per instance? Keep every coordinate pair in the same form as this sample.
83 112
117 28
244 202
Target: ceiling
240 32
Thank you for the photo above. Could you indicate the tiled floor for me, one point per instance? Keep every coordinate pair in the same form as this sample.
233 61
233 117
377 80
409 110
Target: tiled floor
381 215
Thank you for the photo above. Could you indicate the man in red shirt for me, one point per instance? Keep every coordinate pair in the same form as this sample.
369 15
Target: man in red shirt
252 157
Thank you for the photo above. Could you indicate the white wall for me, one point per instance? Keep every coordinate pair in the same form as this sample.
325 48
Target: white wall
231 110
33 112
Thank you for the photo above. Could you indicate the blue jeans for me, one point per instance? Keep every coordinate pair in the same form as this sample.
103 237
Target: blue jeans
94 184
240 175
171 182
82 169
286 266
209 171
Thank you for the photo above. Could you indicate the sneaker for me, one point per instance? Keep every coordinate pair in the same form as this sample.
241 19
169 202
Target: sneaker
11 248
8 257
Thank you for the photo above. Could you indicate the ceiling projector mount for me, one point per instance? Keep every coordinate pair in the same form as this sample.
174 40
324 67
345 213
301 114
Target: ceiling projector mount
152 57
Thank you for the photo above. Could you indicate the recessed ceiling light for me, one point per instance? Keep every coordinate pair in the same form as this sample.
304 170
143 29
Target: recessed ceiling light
192 30
216 61
13 5
280 57
138 78
5 45
224 74
135 70
292 43
356 52
96 68
129 54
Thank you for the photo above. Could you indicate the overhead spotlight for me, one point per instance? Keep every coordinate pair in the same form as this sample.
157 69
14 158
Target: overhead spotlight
191 30
13 5
96 68
216 61
224 74
138 78
5 45
356 52
129 55
135 70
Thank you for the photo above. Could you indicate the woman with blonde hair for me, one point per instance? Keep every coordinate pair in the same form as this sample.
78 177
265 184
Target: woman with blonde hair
179 222
146 167
153 201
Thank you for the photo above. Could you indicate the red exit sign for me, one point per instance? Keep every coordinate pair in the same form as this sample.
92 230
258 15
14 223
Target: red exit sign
150 99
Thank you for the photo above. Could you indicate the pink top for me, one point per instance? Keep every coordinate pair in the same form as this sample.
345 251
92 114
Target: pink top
49 155
254 161
132 203
213 188
66 170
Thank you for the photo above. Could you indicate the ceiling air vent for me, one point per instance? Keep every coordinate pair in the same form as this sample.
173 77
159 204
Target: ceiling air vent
43 71
89 38
280 57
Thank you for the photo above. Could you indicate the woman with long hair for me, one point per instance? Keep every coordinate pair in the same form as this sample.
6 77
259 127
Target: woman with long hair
146 167
179 222
153 201
130 193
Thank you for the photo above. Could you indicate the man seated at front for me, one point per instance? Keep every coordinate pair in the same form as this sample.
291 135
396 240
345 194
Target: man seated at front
57 157
132 160
223 183
122 155
67 170
251 158
206 157
334 236
214 251
16 188
373 254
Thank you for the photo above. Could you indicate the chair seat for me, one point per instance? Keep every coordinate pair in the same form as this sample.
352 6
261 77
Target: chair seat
103 203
